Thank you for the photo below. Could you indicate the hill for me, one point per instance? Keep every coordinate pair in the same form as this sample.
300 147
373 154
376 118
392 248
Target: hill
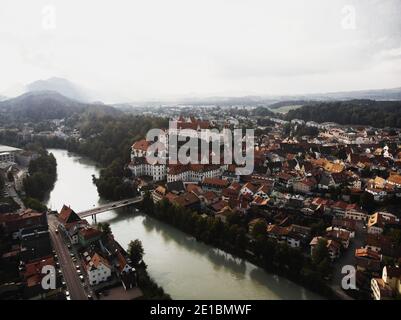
354 112
60 85
47 105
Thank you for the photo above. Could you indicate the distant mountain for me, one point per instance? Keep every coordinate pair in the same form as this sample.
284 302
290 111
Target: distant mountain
60 85
46 105
275 101
376 94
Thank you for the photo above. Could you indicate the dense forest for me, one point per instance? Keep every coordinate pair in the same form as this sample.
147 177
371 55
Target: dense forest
107 140
378 114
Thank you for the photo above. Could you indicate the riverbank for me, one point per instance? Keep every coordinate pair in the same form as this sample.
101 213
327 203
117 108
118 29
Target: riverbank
184 267
291 264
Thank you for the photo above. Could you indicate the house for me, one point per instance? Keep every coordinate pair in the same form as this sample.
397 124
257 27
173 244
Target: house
259 201
305 186
285 180
126 273
340 235
326 181
35 243
395 180
388 285
378 220
159 193
73 230
97 268
333 247
215 184
187 200
277 233
376 242
379 195
13 223
67 215
140 148
210 197
367 260
232 192
346 224
88 235
248 189
32 276
264 191
354 213
176 187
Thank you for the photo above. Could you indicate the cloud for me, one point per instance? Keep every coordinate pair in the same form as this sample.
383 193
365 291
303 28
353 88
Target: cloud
156 48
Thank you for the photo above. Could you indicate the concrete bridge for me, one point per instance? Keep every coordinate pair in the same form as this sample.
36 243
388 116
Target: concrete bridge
109 206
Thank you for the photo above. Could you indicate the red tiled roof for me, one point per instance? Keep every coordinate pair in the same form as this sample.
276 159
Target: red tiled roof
142 145
215 182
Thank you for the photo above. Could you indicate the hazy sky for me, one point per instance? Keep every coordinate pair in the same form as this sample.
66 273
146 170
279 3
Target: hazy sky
149 49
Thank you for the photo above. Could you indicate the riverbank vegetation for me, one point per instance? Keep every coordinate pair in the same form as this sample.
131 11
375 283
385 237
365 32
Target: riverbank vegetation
232 237
148 286
42 176
107 140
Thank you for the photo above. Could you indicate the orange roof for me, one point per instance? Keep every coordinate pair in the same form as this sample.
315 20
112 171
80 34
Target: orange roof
216 182
251 187
141 145
395 179
96 260
67 215
367 253
186 199
33 271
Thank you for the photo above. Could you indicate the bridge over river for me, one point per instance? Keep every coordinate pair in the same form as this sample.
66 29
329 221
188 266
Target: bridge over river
109 206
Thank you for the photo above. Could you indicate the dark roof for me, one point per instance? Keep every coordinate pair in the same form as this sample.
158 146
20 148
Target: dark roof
175 186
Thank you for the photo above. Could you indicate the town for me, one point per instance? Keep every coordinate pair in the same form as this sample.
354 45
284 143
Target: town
313 185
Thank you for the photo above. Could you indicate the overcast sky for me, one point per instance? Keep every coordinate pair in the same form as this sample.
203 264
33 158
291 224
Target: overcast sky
150 49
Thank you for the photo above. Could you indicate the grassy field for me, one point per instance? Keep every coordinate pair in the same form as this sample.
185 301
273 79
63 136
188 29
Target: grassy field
285 109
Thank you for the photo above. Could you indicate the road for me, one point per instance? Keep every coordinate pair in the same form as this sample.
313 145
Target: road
74 285
348 258
110 206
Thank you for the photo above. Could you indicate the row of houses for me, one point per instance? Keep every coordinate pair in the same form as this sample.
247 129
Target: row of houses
26 235
101 256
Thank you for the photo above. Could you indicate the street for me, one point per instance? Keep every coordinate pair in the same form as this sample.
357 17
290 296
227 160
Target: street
347 258
74 285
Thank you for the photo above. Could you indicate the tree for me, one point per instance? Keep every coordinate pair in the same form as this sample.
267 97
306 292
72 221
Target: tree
34 204
104 227
135 251
320 252
367 201
259 229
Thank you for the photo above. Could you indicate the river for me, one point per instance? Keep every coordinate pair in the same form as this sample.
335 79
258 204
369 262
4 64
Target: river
185 268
